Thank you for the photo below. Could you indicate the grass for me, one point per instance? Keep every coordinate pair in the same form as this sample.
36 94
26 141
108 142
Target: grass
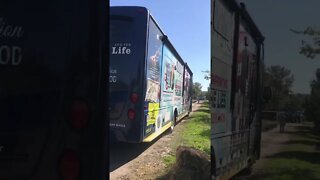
290 169
268 125
299 159
169 159
195 133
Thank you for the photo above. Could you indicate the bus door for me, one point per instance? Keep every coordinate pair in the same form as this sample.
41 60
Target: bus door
247 77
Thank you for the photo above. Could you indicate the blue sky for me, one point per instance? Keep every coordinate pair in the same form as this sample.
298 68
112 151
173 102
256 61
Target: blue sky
274 18
187 25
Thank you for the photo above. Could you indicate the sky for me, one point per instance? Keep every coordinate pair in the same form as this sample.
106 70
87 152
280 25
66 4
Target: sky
274 19
187 25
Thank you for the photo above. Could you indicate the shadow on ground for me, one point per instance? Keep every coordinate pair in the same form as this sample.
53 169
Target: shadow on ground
206 133
312 157
203 110
289 173
304 142
122 153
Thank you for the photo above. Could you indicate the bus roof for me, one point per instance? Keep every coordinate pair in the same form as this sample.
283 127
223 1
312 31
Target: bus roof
188 69
240 8
168 42
166 39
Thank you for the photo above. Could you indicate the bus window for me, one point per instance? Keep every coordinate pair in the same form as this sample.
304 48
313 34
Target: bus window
154 59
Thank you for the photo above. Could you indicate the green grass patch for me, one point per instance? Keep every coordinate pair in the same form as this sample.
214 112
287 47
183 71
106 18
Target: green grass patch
299 159
289 169
268 125
197 130
299 147
169 160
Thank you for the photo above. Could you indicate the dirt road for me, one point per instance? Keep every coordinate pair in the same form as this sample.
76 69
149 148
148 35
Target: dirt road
274 143
143 160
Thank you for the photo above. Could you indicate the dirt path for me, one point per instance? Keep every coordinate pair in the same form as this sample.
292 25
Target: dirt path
272 142
149 164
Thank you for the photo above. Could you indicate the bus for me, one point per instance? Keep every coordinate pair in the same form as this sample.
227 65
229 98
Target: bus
150 84
237 57
53 81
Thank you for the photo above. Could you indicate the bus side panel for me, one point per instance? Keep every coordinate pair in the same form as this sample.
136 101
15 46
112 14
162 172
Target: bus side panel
178 80
165 83
246 86
167 86
187 90
221 76
153 78
190 92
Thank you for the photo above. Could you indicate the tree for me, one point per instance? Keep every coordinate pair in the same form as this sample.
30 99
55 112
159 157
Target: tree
280 80
312 108
310 47
196 89
208 94
206 75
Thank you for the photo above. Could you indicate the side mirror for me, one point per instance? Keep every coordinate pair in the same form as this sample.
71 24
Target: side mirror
267 93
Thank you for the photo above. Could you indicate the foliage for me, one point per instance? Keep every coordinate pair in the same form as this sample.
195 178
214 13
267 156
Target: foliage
309 49
207 95
312 107
196 90
280 80
206 75
169 159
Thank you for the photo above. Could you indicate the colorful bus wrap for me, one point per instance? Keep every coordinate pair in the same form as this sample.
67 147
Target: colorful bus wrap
236 82
150 84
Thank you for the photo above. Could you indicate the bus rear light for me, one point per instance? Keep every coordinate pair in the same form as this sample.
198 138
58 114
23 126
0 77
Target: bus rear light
69 165
134 98
131 114
79 114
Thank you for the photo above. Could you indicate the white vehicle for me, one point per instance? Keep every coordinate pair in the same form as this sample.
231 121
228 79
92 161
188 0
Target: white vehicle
236 89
